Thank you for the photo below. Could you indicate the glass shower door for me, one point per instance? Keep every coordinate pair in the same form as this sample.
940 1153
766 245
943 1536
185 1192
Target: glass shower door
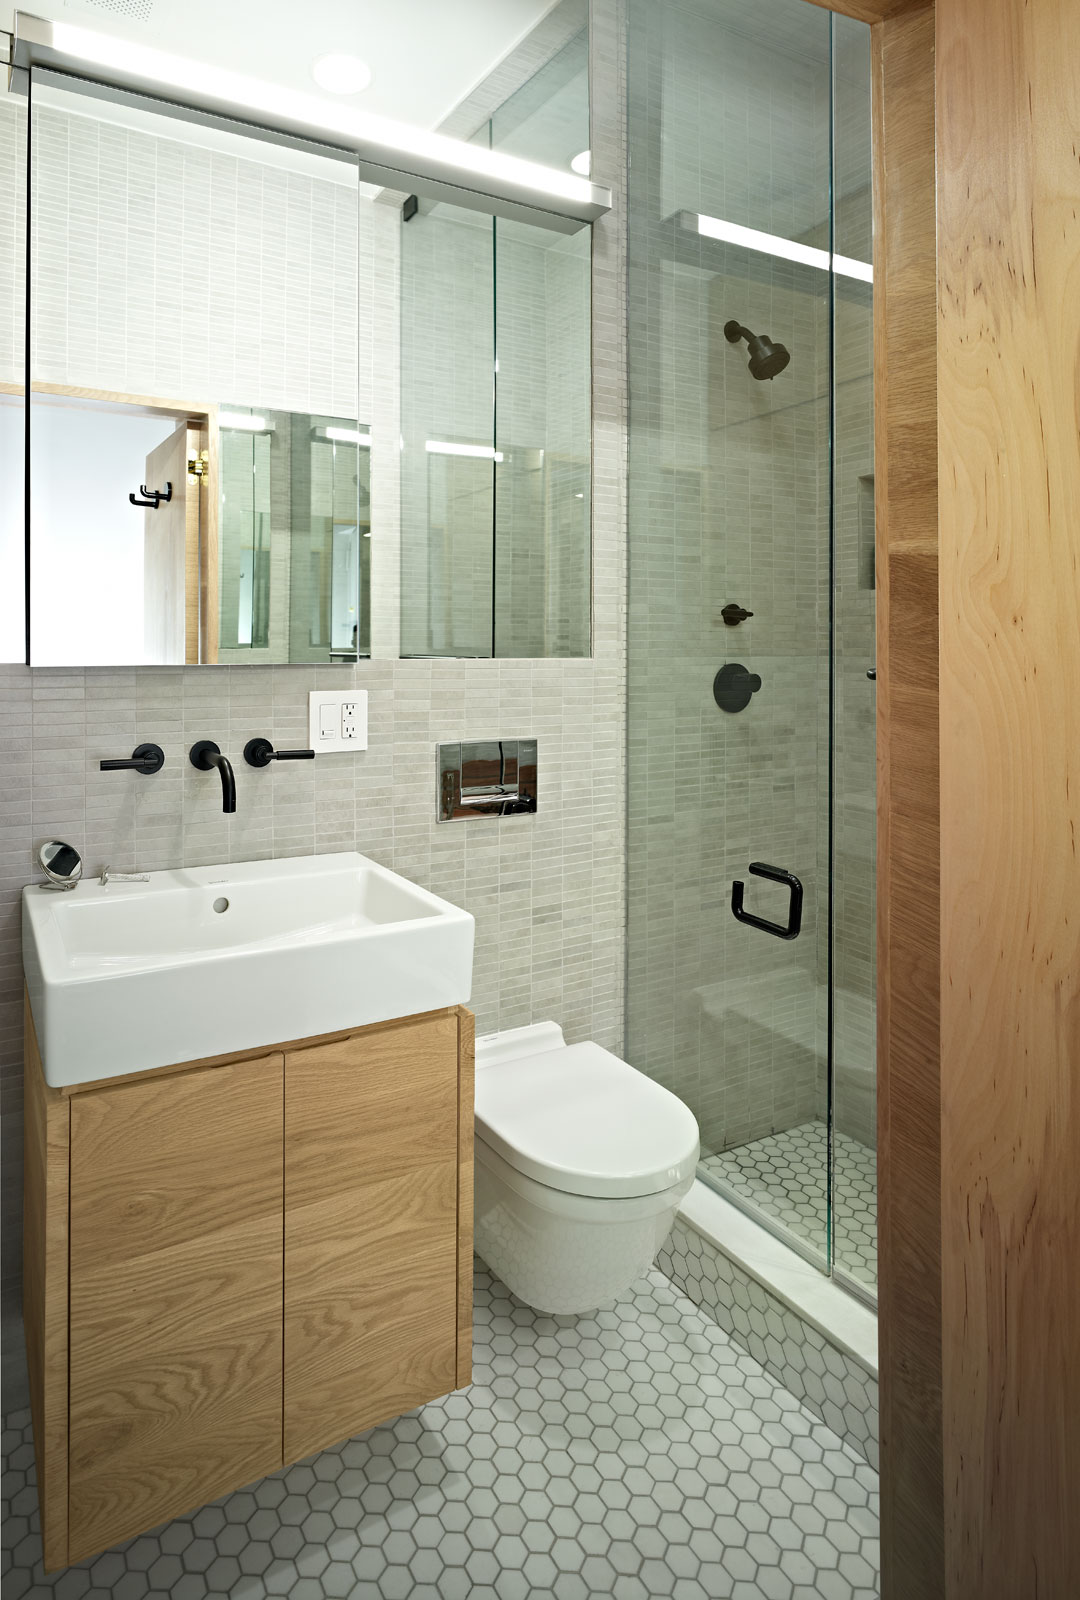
733 412
854 1042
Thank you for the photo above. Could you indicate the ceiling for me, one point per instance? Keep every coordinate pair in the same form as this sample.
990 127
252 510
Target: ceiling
425 55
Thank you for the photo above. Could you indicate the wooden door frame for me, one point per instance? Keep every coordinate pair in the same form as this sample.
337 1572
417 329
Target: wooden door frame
976 337
908 807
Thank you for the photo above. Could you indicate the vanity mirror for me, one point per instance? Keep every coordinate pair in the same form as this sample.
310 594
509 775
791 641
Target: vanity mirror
61 863
197 533
199 485
232 338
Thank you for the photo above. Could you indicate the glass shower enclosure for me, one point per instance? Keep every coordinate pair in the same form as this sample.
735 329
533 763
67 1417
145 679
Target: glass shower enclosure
751 611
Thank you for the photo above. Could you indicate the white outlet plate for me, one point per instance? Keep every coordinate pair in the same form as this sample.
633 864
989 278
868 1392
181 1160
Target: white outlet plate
337 720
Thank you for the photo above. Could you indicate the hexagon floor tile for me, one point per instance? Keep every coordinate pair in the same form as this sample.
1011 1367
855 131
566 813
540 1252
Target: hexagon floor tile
785 1174
634 1453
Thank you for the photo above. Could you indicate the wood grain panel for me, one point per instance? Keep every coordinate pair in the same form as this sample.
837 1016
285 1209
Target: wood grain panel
871 10
197 1158
466 1126
46 1127
198 496
114 399
371 1229
205 571
1009 357
176 1301
909 1283
165 606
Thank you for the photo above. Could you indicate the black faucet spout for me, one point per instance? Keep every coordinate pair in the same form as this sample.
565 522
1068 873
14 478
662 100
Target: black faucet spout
228 782
206 755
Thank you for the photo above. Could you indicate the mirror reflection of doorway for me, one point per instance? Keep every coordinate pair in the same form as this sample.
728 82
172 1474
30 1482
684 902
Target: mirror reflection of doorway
118 519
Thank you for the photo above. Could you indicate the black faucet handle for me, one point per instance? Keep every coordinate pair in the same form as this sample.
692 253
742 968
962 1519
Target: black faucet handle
145 758
260 753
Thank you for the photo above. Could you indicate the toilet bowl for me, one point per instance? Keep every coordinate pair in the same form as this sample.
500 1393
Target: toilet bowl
581 1162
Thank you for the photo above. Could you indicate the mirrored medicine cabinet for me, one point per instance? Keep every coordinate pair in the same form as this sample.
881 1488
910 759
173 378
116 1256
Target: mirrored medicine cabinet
262 393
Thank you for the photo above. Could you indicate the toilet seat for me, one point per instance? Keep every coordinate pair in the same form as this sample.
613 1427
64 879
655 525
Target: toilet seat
578 1120
562 1204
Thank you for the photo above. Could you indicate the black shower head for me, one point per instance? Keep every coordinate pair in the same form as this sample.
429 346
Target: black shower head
766 358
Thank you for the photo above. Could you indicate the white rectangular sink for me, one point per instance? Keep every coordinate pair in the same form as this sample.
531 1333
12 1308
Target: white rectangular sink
207 960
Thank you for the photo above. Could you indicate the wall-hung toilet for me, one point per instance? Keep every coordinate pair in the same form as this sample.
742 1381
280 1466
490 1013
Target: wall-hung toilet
581 1162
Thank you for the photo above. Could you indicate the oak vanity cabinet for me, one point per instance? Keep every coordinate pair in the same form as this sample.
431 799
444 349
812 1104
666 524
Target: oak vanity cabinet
175 1296
231 1265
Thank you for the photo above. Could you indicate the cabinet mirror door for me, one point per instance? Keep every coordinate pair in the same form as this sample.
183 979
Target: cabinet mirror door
198 459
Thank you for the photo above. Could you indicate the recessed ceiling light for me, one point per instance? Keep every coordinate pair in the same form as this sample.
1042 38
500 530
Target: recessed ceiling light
341 74
582 163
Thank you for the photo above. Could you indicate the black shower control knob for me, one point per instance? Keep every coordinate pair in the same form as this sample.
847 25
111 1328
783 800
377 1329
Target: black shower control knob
733 686
733 614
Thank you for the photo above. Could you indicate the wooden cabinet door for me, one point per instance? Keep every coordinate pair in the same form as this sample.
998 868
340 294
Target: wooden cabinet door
175 1311
371 1225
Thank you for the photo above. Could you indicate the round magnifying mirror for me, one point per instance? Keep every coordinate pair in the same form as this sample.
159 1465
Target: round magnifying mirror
61 863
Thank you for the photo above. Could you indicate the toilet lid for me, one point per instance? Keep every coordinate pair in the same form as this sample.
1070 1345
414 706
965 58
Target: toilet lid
580 1120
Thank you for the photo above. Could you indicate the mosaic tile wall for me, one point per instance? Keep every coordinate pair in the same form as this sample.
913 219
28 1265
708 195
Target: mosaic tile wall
829 1382
547 892
164 268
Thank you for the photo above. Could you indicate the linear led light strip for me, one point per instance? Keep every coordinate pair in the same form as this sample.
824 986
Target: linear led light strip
381 142
345 436
771 244
244 422
484 452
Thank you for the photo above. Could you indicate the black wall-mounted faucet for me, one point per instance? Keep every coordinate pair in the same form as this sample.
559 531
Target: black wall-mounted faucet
206 755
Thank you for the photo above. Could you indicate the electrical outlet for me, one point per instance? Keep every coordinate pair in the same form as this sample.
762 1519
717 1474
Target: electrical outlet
337 719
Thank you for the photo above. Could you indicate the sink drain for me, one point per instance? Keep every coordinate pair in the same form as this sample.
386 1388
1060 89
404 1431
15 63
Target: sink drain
221 904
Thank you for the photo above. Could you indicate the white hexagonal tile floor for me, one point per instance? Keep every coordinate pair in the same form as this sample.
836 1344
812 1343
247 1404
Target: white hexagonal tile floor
634 1453
785 1174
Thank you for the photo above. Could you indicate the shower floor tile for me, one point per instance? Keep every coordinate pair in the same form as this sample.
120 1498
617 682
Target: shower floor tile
783 1174
634 1453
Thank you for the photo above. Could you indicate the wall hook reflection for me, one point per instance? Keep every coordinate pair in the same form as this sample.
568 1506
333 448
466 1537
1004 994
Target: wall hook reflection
154 497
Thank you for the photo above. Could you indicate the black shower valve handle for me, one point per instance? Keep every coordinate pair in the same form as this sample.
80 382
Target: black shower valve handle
733 686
